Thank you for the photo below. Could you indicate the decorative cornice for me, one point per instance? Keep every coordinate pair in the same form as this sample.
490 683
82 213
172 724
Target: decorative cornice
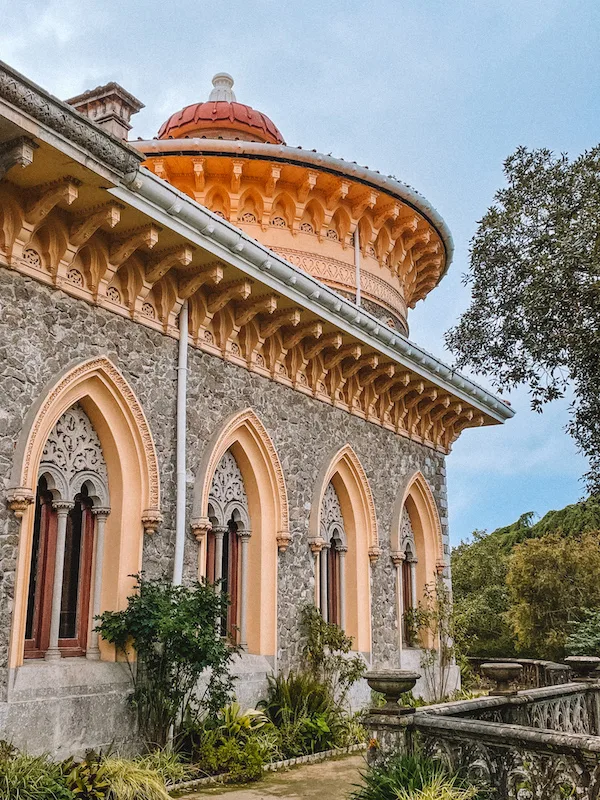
19 91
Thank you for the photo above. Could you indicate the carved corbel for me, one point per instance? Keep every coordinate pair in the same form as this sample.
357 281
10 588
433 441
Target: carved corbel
199 174
18 500
307 185
236 175
157 268
398 556
283 540
190 284
316 544
239 290
374 553
339 193
309 329
331 360
287 316
266 304
151 519
365 200
405 224
17 151
333 340
159 168
272 180
200 527
386 370
84 227
39 207
368 360
123 248
389 211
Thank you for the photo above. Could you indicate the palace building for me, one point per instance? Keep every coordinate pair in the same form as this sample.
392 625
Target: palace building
205 372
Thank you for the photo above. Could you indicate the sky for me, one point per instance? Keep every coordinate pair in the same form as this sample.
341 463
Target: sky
435 92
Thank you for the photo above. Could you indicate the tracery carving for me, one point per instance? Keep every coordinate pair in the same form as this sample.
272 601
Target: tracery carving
332 521
74 450
32 257
113 294
75 277
227 493
407 536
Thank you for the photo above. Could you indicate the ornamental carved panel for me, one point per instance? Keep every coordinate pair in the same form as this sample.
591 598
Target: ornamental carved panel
407 535
227 492
73 454
332 521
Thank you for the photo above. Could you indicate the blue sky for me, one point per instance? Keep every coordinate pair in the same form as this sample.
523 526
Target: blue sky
435 93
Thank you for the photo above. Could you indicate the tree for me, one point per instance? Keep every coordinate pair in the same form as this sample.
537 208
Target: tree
169 638
552 581
534 318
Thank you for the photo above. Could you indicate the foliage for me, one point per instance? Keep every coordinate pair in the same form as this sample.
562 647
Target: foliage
479 572
434 620
87 779
404 777
131 780
552 581
535 309
173 631
584 638
326 654
32 778
238 742
305 713
167 763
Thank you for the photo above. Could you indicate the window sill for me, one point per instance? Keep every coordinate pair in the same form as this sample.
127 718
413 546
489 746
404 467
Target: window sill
40 679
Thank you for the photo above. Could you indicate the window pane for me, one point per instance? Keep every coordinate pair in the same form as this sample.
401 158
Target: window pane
71 575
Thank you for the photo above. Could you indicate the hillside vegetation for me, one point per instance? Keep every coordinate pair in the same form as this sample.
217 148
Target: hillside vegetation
521 589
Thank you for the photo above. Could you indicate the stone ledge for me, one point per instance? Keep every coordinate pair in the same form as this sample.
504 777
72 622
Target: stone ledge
273 766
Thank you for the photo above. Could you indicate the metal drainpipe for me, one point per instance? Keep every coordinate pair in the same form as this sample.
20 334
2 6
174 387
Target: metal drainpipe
357 262
181 444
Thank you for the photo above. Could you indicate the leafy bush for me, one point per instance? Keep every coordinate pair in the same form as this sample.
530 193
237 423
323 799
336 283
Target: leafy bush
238 742
87 779
326 654
584 639
32 778
408 777
173 631
167 763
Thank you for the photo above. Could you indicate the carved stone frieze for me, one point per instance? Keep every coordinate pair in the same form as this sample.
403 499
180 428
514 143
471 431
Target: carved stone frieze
332 521
227 497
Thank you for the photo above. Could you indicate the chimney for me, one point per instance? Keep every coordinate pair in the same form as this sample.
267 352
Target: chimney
109 106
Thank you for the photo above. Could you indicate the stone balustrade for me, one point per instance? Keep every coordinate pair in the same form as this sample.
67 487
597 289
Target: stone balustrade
538 743
535 672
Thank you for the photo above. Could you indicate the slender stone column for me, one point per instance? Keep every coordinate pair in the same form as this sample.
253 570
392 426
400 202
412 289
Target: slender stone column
245 539
324 604
342 550
62 512
413 581
398 558
219 534
100 514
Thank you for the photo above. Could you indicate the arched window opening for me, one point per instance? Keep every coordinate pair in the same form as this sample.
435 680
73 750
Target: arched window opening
333 583
71 509
408 588
227 544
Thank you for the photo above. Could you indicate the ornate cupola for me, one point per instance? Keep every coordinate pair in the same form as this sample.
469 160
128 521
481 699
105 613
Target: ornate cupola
306 206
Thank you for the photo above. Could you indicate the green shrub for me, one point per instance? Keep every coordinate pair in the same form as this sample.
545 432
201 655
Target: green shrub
412 777
87 779
131 780
173 632
32 778
167 763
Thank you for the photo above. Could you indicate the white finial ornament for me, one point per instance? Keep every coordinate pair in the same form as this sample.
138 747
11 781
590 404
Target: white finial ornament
222 83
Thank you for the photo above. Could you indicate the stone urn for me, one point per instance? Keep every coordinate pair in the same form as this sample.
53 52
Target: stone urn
583 666
502 673
392 683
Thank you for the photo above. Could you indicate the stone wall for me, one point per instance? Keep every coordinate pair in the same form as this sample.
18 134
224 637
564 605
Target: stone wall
42 330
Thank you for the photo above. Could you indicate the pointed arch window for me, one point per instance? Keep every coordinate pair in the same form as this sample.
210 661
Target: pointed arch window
332 595
227 544
71 510
408 577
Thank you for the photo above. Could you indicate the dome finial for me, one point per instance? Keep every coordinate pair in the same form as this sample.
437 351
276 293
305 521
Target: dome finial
223 83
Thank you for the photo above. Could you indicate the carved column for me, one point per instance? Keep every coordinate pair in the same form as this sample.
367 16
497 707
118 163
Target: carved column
315 544
100 515
324 604
245 540
398 558
62 512
413 582
342 550
219 534
200 528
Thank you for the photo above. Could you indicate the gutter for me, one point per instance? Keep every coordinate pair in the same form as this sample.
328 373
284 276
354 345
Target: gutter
306 158
173 209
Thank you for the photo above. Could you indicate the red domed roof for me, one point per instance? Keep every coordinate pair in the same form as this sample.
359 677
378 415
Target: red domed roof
221 116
